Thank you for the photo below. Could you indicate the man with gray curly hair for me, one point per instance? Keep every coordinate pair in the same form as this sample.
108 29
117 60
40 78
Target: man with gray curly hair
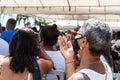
90 42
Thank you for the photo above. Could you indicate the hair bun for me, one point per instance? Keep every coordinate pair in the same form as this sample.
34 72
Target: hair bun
54 25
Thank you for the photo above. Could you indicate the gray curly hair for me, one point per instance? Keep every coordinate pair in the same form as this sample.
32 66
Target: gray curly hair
98 35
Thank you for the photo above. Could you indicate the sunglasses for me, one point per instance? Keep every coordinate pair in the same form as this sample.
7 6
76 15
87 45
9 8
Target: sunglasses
75 43
78 36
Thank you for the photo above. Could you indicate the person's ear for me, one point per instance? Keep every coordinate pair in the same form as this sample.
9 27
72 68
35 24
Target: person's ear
84 41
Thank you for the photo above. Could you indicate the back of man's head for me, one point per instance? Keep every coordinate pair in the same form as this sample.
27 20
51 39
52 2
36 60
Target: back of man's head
11 23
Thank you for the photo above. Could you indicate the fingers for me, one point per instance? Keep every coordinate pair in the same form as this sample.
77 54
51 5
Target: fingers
65 47
62 40
66 42
69 44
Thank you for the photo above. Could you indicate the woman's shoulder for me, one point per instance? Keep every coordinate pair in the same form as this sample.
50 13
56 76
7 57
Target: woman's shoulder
79 76
5 61
1 57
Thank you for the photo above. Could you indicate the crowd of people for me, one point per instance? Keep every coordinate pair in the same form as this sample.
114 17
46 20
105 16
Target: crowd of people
89 52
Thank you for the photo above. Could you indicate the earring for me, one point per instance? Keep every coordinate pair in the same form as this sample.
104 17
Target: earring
81 47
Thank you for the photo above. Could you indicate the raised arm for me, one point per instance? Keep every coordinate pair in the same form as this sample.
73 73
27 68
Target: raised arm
67 52
45 62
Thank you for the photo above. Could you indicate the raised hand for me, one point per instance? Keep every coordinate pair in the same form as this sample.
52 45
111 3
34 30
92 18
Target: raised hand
65 48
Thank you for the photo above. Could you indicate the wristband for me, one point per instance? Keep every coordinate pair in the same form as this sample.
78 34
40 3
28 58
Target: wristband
69 62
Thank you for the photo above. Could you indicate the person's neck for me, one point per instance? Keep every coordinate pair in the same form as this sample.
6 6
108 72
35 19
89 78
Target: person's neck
49 48
87 59
10 29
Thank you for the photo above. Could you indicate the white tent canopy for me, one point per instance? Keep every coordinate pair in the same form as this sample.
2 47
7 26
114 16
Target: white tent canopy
108 10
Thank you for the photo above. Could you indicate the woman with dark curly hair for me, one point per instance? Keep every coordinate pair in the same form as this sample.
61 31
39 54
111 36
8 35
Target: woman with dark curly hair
26 59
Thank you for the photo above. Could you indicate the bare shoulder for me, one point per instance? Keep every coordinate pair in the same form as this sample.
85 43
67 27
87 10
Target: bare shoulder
5 60
78 76
1 58
5 63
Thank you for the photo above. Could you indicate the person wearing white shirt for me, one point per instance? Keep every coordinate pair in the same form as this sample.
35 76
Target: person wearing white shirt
4 47
49 36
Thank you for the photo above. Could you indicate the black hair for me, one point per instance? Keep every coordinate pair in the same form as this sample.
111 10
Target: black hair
49 35
11 23
23 50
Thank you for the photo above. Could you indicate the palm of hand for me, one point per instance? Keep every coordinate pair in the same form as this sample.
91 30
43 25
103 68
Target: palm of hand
65 47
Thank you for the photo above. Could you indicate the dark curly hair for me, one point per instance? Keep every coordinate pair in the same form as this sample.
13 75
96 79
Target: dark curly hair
49 35
24 47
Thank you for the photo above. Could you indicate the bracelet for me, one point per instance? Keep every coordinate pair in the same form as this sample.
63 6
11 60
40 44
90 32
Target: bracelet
69 62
